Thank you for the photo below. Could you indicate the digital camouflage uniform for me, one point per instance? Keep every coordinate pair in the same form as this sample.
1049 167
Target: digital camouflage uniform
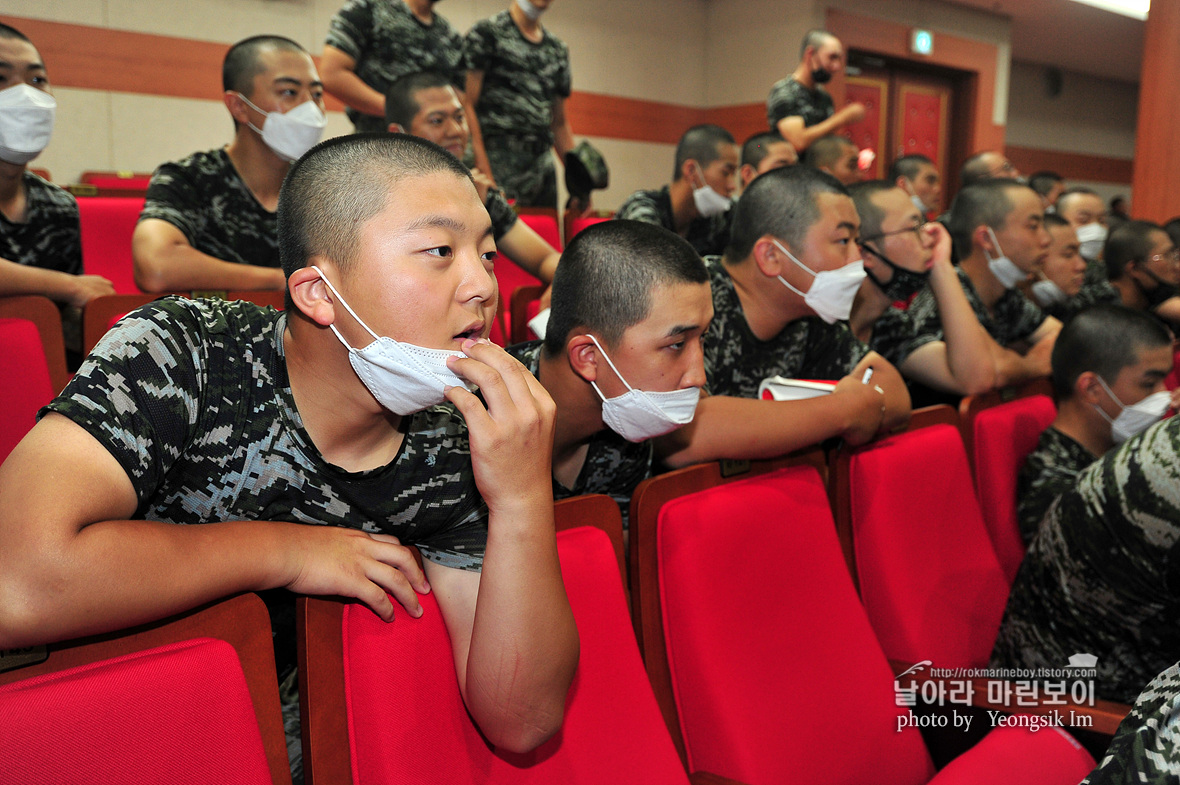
789 98
521 80
707 235
1049 471
388 42
1013 318
192 398
1102 576
50 237
205 198
736 362
502 215
893 335
1146 748
613 466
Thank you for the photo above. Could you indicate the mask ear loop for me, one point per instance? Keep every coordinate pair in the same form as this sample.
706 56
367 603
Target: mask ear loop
1113 397
791 256
992 234
606 357
347 307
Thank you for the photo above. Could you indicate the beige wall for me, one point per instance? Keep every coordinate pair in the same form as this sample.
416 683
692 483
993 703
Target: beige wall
697 53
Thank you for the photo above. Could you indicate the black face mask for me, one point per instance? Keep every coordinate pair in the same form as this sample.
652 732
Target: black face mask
821 75
904 284
1161 292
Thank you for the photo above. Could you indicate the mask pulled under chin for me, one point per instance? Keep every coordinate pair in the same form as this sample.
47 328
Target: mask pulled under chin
1047 293
1003 268
529 10
404 378
639 415
708 202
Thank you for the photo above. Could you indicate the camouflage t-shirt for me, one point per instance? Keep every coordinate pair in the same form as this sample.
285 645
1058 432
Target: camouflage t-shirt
388 42
192 398
1102 576
707 235
205 198
1013 318
1146 748
613 466
502 215
1049 471
50 237
893 335
788 98
736 361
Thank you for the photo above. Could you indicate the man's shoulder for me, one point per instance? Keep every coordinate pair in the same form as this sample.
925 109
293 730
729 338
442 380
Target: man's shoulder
528 354
43 193
646 205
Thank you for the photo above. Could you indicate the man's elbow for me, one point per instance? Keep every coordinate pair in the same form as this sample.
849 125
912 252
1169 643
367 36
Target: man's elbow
522 736
21 622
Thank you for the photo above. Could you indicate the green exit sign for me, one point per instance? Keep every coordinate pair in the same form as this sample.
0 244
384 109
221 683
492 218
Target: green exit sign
921 42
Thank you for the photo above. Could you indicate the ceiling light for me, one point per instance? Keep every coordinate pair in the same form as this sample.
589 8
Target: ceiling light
1136 9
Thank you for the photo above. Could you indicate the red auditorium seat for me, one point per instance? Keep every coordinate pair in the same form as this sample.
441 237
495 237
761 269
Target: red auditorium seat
543 222
107 225
395 714
43 313
776 675
112 182
191 699
575 225
26 385
1002 437
928 576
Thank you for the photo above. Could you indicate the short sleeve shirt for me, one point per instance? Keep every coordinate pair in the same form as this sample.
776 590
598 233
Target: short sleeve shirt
613 466
788 98
521 79
192 398
502 215
206 199
736 361
1102 576
707 235
388 42
1013 318
1049 471
50 237
893 335
1146 748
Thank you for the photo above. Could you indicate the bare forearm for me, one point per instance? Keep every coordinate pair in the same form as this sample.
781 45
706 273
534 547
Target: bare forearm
351 90
563 138
181 267
21 279
1014 368
524 645
968 354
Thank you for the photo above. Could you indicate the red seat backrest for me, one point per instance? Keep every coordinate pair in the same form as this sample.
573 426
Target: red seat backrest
1004 436
138 182
578 224
181 712
544 225
107 225
768 644
407 721
25 385
928 576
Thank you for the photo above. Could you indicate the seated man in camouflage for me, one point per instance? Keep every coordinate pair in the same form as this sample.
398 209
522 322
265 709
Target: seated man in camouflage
1146 748
425 104
1100 576
40 240
998 230
781 295
1143 265
1107 361
209 221
215 447
837 156
902 255
696 205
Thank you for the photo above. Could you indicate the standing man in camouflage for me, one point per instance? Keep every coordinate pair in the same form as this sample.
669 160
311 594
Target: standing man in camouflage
371 43
210 220
518 77
799 107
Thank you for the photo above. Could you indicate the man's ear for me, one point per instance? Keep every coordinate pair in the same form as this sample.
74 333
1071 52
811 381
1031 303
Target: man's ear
311 295
747 174
583 356
396 128
983 239
769 258
687 169
236 106
1087 388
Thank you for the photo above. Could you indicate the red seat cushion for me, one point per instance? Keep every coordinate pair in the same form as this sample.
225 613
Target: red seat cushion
776 672
176 713
1003 437
107 224
25 385
929 578
407 720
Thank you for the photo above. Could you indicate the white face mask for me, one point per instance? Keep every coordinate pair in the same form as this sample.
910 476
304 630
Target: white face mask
637 415
917 202
291 134
1092 239
708 202
1048 293
1005 271
26 123
404 378
530 10
1137 417
832 292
